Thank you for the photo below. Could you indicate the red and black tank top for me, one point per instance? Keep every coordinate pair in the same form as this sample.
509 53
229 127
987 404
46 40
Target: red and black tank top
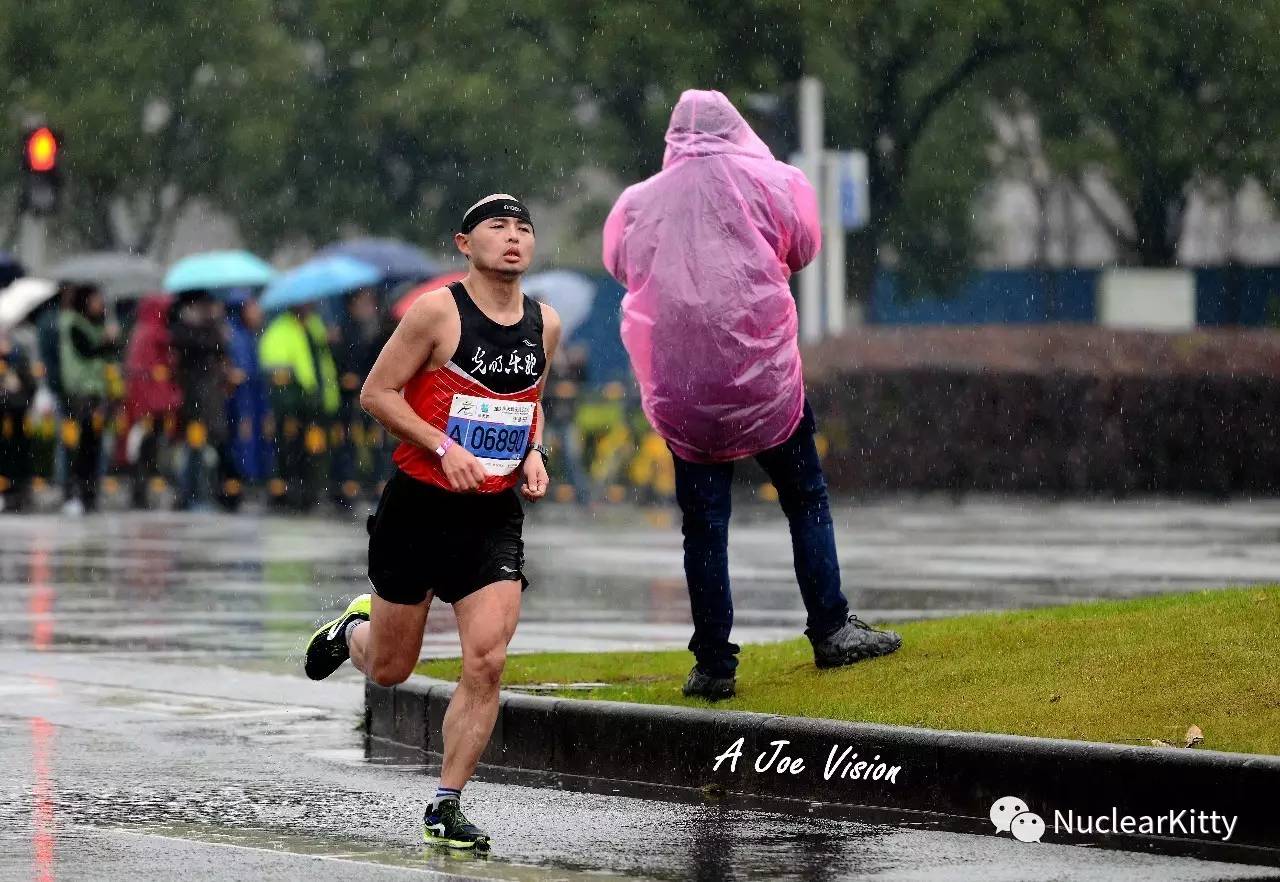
485 397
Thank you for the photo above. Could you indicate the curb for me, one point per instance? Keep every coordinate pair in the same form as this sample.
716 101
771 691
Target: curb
949 779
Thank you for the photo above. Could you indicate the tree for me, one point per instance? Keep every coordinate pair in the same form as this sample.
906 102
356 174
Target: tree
408 115
310 118
1156 98
157 102
906 83
631 65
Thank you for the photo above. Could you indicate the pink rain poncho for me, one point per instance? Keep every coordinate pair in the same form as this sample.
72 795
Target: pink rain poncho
705 248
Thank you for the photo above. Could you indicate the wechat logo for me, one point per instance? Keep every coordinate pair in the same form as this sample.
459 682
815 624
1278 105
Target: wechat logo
1011 815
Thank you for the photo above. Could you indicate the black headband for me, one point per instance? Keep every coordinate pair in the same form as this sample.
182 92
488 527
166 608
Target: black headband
496 206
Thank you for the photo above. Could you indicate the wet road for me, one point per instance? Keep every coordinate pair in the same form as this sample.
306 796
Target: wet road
905 560
152 721
615 580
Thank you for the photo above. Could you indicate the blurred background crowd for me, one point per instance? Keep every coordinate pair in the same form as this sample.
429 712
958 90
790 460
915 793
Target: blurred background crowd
222 380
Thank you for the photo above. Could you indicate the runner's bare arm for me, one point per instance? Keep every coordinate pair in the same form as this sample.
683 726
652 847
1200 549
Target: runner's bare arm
410 347
535 470
551 328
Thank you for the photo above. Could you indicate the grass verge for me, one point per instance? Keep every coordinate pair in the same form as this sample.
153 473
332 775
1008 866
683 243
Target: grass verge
1116 671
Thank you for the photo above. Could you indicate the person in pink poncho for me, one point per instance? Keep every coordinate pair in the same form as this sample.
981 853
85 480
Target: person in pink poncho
705 249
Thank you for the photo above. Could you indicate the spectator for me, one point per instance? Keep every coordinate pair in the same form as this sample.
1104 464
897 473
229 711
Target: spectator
17 388
362 334
248 406
49 348
199 334
84 343
705 248
303 380
153 399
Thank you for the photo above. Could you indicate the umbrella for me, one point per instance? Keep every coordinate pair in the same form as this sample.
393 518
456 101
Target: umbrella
22 297
10 268
395 260
218 269
570 294
402 305
317 279
121 276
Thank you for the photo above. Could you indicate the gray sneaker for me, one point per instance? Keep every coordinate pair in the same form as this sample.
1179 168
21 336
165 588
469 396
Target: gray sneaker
700 685
854 641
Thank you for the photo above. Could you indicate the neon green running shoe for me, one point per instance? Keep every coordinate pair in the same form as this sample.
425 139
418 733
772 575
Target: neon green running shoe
447 825
327 649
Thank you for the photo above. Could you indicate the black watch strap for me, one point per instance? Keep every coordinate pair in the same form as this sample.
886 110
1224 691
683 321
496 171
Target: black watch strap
546 457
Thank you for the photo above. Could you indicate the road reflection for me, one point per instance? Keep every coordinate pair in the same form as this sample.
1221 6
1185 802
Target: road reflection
42 816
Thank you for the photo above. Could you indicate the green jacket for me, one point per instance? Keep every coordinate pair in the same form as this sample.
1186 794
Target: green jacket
285 345
82 375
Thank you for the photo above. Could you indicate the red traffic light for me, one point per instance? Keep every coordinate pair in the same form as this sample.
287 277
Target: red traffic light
42 150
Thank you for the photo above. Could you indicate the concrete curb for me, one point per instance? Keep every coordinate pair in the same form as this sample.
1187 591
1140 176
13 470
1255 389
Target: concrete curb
951 779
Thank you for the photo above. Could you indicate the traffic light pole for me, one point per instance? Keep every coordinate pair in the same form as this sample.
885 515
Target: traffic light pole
41 183
31 242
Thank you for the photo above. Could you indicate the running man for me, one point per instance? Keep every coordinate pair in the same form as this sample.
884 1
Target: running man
459 383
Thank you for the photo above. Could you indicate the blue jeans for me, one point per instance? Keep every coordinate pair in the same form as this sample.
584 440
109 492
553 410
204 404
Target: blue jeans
704 495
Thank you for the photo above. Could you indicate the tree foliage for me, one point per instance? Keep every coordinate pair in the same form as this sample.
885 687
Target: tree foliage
157 102
1157 97
408 112
311 118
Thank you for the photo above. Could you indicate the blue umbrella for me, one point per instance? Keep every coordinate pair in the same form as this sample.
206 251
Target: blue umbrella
317 279
396 261
218 269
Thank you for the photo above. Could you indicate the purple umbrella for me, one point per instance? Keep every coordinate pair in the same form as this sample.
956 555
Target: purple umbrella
396 261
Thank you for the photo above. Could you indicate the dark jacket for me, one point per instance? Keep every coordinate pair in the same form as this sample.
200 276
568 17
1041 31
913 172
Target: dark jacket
359 347
199 348
17 384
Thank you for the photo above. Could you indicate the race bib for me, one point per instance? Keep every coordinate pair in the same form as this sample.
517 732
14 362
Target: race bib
495 432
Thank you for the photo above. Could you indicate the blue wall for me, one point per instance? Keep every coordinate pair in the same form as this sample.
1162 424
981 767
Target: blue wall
1247 296
991 297
1224 296
1238 295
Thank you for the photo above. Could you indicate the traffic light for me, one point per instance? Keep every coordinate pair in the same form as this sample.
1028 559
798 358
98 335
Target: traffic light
41 170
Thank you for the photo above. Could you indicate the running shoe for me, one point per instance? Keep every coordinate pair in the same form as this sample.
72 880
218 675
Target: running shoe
327 649
448 826
703 685
853 641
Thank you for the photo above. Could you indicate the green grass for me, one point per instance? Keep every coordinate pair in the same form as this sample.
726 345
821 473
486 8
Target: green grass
1123 671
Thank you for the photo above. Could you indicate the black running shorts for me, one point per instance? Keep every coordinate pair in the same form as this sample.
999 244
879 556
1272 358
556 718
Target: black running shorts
426 539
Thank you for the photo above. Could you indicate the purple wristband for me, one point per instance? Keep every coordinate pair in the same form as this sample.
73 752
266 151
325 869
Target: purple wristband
444 446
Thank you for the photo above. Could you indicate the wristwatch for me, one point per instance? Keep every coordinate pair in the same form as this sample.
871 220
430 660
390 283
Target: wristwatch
546 456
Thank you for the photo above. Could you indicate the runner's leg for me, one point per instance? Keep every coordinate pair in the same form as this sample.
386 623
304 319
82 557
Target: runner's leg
387 647
486 622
